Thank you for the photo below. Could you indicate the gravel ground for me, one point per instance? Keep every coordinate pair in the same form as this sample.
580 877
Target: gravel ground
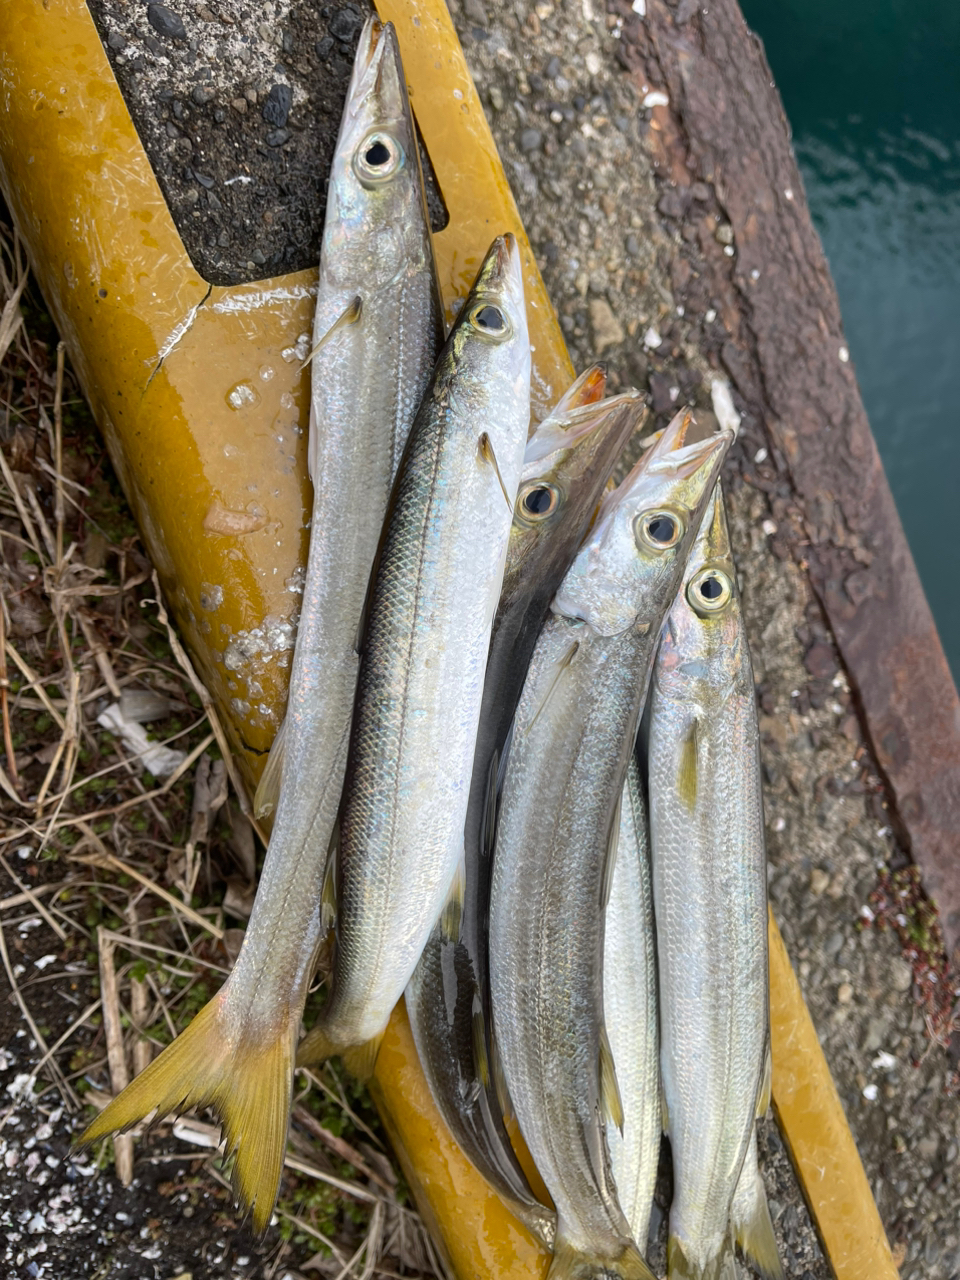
579 145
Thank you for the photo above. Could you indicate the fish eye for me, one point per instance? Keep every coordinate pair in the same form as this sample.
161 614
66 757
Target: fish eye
537 501
710 591
490 321
660 530
378 157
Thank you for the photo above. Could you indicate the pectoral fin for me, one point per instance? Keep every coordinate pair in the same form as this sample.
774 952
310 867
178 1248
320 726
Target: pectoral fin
451 918
687 770
267 793
485 450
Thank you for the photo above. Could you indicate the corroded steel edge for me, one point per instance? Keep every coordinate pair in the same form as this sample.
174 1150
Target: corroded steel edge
156 355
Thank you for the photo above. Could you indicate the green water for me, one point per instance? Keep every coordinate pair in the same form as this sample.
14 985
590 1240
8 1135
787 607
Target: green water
872 90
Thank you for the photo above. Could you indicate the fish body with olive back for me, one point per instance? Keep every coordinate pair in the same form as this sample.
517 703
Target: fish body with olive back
710 900
572 741
378 329
423 656
567 463
630 1010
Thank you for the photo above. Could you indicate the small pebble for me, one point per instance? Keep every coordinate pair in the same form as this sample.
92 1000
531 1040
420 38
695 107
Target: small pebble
345 24
165 22
531 140
276 109
844 993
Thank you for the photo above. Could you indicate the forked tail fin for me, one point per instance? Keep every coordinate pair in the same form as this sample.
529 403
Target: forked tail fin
722 1266
572 1263
247 1081
750 1219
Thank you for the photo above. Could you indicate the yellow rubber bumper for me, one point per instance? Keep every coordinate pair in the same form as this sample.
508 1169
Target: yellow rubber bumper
199 395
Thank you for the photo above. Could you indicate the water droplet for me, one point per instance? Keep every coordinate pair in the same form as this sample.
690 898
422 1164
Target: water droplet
266 373
286 401
242 395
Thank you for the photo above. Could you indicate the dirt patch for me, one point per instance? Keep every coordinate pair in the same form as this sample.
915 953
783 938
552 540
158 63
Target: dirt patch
238 106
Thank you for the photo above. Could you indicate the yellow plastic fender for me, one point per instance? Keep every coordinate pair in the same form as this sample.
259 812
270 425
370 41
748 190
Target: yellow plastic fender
200 397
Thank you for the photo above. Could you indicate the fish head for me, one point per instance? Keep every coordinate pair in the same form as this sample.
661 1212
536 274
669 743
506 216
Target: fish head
375 186
568 462
487 355
701 651
627 571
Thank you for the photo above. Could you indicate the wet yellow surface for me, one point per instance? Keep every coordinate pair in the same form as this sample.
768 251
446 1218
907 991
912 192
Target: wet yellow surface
815 1130
199 394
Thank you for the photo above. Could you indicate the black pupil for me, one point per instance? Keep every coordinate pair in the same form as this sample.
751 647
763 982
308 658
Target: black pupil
377 155
489 318
711 589
662 529
538 501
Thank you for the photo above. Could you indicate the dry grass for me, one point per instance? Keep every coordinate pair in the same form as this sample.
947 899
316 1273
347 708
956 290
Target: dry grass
144 878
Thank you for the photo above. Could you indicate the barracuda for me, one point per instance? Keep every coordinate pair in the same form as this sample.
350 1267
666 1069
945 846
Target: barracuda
377 332
567 463
573 737
710 899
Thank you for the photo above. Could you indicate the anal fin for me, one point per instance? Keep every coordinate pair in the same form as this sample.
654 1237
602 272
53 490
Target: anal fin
610 1099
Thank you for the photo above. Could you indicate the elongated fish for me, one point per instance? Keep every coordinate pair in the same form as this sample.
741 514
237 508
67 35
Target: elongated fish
377 333
567 464
710 899
630 1011
424 652
572 740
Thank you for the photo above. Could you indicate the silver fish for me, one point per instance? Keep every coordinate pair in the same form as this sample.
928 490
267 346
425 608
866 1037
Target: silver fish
567 463
378 328
432 606
710 900
572 740
630 1011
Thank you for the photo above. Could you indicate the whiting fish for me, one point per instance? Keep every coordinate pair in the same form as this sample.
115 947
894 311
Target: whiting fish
567 463
572 741
424 653
377 332
709 879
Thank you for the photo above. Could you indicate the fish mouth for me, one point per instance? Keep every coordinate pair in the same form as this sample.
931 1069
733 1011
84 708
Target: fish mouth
587 422
502 270
672 456
377 85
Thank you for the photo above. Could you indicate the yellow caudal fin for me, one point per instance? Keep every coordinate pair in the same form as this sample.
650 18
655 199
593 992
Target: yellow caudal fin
571 1263
722 1266
247 1083
750 1218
